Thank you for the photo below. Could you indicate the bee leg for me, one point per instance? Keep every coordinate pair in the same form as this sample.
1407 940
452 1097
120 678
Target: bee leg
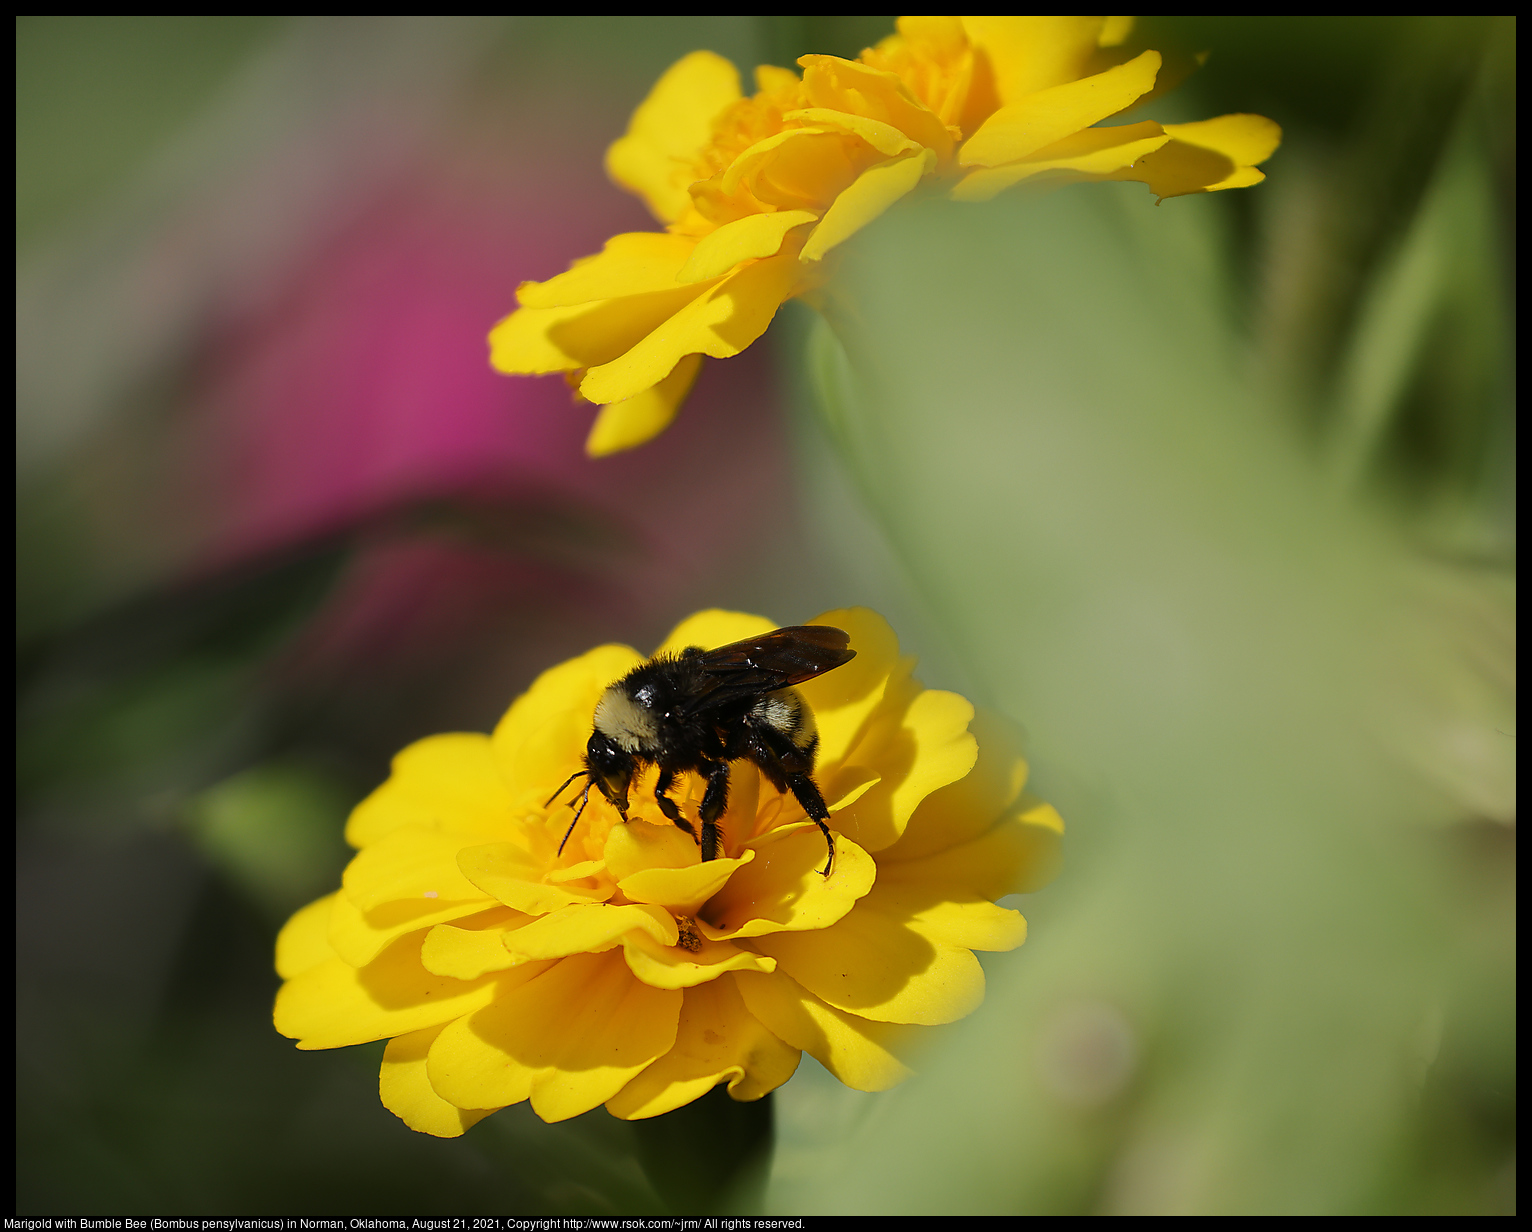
814 805
667 805
714 800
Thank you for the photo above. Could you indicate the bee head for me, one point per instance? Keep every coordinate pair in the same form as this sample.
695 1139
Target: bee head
611 769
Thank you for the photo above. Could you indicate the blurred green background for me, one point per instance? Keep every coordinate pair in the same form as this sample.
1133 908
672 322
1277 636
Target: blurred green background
1217 498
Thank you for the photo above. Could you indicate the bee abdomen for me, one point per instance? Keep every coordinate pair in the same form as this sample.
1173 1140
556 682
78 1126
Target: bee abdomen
786 713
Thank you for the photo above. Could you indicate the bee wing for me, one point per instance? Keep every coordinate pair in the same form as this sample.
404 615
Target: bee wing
775 660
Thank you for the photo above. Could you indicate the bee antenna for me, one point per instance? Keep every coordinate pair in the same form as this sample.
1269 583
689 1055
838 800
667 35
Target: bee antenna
565 784
584 799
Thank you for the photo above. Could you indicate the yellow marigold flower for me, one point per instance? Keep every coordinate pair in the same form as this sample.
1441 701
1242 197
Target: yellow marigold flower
627 972
755 192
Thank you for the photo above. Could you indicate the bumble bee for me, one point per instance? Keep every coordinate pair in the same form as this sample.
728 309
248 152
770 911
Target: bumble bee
699 710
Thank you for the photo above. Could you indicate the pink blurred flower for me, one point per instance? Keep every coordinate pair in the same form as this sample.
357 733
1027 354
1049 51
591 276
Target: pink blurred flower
274 344
354 398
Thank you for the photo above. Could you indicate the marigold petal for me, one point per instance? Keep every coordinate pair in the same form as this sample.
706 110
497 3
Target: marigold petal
985 868
412 864
876 966
886 139
407 1092
335 1004
645 844
783 888
735 179
581 871
975 925
1017 855
935 59
800 168
856 1050
360 937
745 239
520 344
843 699
507 873
933 903
1179 169
1036 120
534 341
944 35
1092 153
1115 31
1176 169
858 89
916 749
570 1039
717 1039
1206 156
587 928
721 322
639 419
777 82
633 263
1096 149
304 940
875 190
1028 54
713 207
1244 139
1240 177
473 947
671 966
466 1068
447 782
683 889
1041 845
669 130
847 785
965 809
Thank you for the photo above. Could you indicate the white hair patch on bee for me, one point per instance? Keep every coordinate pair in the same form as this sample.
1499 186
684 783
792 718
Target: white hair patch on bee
623 721
785 711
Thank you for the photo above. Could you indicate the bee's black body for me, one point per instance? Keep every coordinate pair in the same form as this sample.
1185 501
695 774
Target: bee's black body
702 709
